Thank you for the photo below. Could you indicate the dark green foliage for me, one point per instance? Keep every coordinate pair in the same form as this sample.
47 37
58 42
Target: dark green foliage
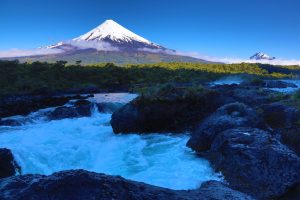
16 78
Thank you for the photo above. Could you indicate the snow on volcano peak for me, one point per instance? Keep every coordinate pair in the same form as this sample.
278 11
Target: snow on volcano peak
113 31
261 56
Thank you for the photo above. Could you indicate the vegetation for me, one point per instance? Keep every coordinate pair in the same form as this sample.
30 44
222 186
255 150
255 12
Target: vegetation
16 78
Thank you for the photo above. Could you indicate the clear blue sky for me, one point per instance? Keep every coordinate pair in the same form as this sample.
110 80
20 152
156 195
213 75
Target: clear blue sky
223 28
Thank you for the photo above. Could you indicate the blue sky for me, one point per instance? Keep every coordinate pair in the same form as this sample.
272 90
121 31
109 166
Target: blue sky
221 28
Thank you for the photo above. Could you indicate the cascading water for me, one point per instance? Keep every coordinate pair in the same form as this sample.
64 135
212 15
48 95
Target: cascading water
89 143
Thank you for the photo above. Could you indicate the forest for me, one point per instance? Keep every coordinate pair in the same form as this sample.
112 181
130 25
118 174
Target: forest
22 78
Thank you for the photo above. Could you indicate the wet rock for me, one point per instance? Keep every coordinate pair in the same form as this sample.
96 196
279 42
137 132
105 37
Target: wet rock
8 165
80 108
286 120
229 116
254 162
10 122
80 184
278 115
249 95
63 112
25 104
278 84
170 112
83 107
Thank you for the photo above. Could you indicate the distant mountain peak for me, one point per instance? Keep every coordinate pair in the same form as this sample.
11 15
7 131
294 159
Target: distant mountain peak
261 56
111 42
112 30
112 33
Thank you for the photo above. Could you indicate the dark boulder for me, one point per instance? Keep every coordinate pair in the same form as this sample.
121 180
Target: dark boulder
229 116
25 104
8 165
250 95
279 115
80 108
173 111
80 184
286 120
254 162
83 107
63 112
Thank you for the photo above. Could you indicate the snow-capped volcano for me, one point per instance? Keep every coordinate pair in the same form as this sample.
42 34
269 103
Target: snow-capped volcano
109 33
112 30
261 56
109 42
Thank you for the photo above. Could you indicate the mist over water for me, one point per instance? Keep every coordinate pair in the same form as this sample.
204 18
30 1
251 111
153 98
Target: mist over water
89 143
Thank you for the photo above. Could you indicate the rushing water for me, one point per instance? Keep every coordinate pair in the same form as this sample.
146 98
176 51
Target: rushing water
89 143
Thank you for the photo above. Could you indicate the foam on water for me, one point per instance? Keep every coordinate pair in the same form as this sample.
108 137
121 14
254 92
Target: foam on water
89 143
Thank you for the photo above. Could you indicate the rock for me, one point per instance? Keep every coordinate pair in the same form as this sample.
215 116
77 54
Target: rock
8 165
63 112
286 120
9 122
229 116
252 96
292 194
171 112
254 162
217 190
278 115
80 184
25 104
83 107
291 138
278 84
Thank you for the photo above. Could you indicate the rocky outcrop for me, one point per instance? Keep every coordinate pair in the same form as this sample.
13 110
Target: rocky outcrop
80 184
279 115
250 95
8 165
286 120
278 84
231 115
63 112
172 111
25 104
253 162
81 108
